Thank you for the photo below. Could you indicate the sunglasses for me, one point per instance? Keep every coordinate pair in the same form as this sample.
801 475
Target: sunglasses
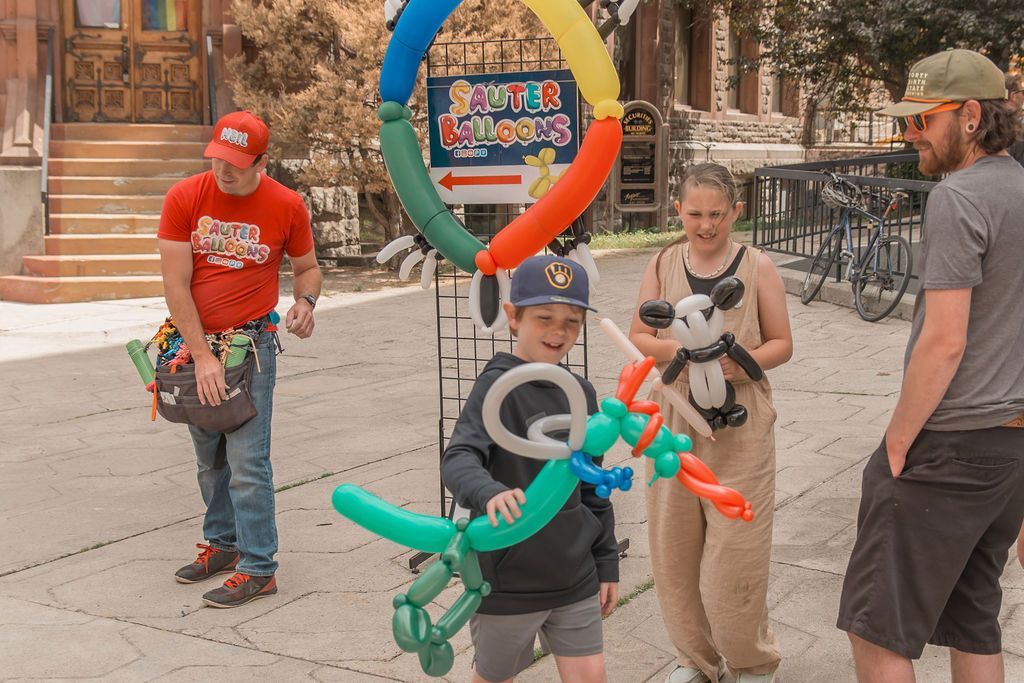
919 122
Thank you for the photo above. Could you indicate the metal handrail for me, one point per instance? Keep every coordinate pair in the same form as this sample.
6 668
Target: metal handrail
44 181
209 78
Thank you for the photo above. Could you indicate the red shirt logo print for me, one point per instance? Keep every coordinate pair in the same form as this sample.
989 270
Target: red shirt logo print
229 244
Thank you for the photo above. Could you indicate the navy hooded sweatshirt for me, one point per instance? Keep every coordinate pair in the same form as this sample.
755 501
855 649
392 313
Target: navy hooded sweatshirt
565 561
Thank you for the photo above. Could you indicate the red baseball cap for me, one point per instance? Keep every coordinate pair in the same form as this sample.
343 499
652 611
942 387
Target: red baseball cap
238 138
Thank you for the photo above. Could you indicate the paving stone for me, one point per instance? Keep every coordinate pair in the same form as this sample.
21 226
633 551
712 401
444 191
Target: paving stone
82 466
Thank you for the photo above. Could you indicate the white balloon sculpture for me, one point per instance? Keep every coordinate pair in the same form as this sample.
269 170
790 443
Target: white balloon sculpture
574 248
697 321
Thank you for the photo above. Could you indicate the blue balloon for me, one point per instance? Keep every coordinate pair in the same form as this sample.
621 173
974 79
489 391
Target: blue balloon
419 23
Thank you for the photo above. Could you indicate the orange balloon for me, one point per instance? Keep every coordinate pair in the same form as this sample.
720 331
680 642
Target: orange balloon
700 480
564 202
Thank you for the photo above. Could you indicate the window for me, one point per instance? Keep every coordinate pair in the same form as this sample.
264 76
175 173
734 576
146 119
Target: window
784 97
734 70
165 15
98 13
777 101
692 59
684 55
742 82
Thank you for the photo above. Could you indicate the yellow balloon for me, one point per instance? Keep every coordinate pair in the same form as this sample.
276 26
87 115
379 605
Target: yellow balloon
558 16
582 47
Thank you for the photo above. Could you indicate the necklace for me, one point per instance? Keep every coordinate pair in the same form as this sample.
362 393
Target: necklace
716 271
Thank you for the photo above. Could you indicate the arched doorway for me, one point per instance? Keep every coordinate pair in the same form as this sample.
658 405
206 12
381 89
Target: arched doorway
132 60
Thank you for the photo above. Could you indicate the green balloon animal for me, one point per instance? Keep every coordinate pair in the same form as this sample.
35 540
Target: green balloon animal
638 423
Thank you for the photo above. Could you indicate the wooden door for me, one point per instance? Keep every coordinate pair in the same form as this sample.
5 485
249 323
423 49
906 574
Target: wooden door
168 77
133 60
97 61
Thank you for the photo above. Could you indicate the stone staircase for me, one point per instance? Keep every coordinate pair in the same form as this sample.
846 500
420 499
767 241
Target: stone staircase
107 184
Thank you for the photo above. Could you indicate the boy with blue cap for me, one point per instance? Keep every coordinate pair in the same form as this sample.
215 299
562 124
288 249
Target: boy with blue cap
563 579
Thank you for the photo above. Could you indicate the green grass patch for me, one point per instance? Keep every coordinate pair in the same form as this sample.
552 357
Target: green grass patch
636 592
292 485
650 238
636 239
642 588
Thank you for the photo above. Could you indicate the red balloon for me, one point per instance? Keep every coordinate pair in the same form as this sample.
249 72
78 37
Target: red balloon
700 480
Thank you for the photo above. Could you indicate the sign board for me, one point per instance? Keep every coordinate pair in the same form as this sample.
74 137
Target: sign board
640 176
638 123
501 138
639 197
638 163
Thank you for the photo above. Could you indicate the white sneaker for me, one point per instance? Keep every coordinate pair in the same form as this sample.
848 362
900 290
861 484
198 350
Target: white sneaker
687 674
755 678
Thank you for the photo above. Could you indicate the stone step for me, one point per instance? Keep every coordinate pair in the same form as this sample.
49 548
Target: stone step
105 204
144 168
67 245
135 132
52 290
93 265
91 149
105 224
110 185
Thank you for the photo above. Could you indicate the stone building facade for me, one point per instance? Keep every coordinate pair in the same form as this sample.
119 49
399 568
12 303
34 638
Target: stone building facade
135 85
680 60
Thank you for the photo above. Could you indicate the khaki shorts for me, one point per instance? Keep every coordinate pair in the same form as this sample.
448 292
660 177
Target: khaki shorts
933 542
504 642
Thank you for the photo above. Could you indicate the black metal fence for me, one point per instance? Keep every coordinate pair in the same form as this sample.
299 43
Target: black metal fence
790 216
461 349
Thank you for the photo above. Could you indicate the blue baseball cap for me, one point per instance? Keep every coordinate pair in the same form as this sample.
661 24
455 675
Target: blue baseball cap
550 280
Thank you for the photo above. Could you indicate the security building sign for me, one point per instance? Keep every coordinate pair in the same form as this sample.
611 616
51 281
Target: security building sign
639 178
501 138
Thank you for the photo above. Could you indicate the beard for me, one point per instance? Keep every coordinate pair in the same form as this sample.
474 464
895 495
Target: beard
946 155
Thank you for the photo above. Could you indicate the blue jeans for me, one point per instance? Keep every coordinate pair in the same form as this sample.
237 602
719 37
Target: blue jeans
240 497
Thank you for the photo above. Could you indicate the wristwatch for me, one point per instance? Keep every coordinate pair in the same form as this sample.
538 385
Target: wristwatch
310 299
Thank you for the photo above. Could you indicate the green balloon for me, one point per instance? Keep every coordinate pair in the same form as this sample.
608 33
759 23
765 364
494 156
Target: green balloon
429 584
437 660
633 426
392 111
411 628
470 572
455 618
420 532
545 496
602 433
666 465
404 160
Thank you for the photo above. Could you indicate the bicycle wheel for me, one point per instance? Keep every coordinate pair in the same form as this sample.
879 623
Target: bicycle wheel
827 254
878 288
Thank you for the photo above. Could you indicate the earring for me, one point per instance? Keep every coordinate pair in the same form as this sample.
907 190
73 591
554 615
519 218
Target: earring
970 127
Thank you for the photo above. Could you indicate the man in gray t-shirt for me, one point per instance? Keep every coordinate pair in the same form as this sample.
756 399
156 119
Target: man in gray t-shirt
973 241
942 498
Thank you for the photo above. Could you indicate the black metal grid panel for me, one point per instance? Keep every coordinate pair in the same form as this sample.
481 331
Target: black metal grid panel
494 56
462 351
791 218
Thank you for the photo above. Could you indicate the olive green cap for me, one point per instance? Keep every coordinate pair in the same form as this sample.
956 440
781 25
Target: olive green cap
950 76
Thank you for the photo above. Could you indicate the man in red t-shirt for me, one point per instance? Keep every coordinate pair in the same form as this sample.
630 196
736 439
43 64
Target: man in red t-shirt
222 236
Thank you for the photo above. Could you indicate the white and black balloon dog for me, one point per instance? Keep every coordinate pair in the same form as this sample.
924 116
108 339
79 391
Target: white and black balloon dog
696 321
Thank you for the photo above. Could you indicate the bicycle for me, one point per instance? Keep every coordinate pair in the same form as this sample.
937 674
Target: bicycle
881 275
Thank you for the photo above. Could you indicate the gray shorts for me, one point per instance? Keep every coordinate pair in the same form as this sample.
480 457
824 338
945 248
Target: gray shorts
504 642
932 543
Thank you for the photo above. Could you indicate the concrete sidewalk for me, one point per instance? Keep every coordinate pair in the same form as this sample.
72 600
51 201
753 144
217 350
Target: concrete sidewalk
100 506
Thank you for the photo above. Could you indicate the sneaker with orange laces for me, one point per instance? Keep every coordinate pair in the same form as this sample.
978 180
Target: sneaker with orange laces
241 589
211 561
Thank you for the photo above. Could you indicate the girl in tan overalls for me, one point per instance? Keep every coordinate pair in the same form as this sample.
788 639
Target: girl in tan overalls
711 573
